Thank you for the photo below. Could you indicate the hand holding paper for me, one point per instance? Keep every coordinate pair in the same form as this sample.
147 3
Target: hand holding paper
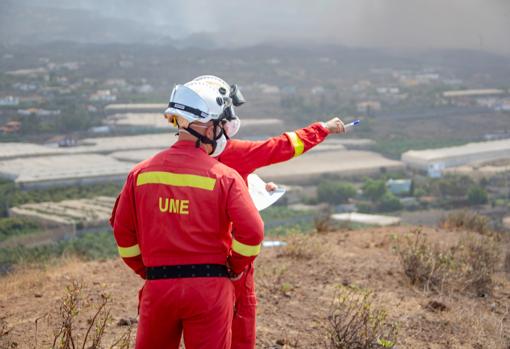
259 193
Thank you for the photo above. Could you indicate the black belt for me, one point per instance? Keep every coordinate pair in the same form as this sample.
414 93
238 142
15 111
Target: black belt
186 271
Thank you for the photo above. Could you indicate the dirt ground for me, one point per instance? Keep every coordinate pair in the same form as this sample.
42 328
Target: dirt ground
295 285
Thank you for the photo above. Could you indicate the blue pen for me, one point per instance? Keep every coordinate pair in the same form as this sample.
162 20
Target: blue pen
349 126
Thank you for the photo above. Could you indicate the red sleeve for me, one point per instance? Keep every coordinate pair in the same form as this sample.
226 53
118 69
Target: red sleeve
123 221
248 231
247 156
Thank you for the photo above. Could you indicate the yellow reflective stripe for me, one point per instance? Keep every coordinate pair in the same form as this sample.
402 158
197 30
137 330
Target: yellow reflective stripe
245 250
297 143
176 179
132 251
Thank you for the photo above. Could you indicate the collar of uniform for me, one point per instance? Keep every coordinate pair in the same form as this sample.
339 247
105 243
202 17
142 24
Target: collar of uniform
188 145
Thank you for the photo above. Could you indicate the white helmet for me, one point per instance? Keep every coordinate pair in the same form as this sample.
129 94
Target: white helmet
196 101
233 123
213 81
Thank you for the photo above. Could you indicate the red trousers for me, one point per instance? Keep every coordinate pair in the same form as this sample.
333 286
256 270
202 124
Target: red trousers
244 323
200 309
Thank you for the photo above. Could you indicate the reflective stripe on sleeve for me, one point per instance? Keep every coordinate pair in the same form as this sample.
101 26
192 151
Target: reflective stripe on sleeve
297 143
127 252
176 180
245 250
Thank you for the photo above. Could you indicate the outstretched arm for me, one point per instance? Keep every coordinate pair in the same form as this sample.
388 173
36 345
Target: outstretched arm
247 156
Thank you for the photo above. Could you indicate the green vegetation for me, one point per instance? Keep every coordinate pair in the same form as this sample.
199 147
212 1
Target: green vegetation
280 213
477 196
374 189
355 322
381 199
11 196
335 192
452 185
394 147
87 246
282 230
13 226
388 203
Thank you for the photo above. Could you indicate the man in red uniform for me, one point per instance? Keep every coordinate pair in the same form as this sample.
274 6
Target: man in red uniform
172 223
246 157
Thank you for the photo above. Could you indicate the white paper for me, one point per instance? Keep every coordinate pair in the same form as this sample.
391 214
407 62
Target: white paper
260 196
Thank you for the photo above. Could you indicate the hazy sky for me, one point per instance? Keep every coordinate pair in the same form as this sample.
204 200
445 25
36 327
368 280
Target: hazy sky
471 24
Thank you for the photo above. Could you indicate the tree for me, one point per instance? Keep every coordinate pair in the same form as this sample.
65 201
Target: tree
389 202
477 195
455 186
374 189
335 192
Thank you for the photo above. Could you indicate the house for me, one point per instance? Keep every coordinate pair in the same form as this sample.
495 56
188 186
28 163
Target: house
399 186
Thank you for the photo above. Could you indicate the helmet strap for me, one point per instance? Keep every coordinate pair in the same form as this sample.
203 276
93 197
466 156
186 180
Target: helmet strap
203 139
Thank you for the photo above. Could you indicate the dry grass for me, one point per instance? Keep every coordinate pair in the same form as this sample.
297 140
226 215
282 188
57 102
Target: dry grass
5 340
294 296
322 222
467 221
30 276
426 264
490 329
301 246
354 322
468 265
507 262
64 321
480 256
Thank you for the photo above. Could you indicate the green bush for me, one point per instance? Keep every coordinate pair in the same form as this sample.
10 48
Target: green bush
477 196
374 189
456 186
388 203
87 246
335 192
16 226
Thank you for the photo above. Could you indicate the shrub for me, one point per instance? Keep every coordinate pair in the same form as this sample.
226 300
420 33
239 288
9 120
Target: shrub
68 334
477 196
424 264
452 185
323 222
335 192
374 189
301 246
86 246
480 257
467 266
354 322
470 221
389 202
507 262
16 226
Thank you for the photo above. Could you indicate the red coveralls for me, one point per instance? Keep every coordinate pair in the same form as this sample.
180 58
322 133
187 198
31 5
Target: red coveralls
245 157
176 208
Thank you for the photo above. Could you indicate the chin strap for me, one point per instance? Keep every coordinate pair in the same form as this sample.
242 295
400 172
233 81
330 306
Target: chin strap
203 139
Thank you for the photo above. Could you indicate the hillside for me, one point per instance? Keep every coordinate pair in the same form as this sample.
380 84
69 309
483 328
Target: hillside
296 286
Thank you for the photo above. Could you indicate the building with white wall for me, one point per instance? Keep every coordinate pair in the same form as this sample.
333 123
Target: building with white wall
456 156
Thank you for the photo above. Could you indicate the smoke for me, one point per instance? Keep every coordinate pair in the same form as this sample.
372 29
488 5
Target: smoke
472 24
